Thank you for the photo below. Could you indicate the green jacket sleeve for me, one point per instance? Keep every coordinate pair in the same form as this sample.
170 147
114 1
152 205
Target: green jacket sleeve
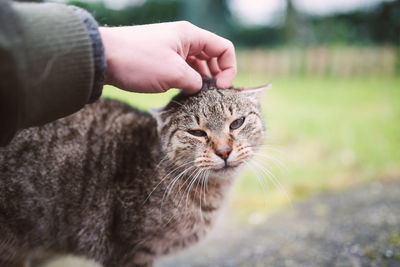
46 65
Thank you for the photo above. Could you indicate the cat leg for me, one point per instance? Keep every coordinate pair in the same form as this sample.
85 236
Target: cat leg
11 254
133 263
13 263
147 264
141 257
12 259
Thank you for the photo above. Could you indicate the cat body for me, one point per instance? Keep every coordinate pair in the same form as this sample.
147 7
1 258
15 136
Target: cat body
120 186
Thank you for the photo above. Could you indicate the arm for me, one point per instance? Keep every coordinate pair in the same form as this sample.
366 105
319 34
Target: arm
47 66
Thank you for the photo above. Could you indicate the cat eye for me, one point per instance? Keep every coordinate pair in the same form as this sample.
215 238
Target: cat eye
236 124
198 133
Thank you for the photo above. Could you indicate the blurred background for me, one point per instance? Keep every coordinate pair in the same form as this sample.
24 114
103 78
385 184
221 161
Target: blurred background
334 112
333 115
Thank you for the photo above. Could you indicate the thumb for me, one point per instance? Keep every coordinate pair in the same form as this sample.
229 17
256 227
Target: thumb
189 80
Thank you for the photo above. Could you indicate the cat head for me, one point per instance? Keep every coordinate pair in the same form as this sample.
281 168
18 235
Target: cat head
215 129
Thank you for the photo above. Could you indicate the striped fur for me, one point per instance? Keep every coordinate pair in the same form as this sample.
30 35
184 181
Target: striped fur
119 186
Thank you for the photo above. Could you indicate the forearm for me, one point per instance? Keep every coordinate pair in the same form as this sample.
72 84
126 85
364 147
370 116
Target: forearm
50 68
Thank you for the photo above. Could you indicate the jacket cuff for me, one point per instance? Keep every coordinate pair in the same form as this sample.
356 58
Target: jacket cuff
100 67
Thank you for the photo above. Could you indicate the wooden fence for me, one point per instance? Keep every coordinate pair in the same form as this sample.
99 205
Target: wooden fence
321 61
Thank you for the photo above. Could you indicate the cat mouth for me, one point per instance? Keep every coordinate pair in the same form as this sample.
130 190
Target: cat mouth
227 167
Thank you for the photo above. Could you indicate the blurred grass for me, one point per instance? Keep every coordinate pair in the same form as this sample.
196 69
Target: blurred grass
335 133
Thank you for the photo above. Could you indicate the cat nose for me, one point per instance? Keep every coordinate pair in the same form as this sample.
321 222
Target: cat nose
223 152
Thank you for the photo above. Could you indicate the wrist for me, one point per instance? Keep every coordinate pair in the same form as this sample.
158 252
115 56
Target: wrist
104 35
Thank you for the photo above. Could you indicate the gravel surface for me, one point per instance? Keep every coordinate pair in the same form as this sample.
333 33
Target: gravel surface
359 227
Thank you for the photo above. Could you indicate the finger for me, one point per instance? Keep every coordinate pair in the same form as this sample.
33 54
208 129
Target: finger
215 46
199 65
213 66
225 78
203 56
186 78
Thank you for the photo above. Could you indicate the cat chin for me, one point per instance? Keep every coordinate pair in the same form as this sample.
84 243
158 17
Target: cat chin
227 171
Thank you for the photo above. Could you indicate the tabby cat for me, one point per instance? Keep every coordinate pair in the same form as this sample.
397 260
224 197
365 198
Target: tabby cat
121 186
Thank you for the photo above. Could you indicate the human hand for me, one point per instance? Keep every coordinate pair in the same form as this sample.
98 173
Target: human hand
156 57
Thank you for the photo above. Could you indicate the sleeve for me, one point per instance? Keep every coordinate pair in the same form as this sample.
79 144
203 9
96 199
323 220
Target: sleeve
47 65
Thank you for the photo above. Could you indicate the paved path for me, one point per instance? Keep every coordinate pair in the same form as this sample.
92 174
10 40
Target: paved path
359 227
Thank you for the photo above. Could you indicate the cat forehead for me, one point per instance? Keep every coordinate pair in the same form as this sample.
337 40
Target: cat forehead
212 107
211 99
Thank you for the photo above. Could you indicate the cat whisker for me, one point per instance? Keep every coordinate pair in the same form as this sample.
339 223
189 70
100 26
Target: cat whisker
182 196
186 183
191 185
200 181
180 104
269 137
276 162
264 137
205 181
208 175
273 179
161 161
192 178
264 186
165 177
187 180
179 176
265 147
173 182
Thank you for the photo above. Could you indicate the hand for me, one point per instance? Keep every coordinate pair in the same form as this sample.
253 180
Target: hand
156 57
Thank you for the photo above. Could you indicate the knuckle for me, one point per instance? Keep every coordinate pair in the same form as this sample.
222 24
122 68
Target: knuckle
183 24
230 45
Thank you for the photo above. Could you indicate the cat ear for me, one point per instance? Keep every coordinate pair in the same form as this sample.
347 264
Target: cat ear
255 92
156 114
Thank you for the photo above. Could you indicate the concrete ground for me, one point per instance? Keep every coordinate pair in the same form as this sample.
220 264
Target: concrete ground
358 227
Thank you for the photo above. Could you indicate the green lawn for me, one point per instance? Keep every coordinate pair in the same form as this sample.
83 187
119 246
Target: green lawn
332 134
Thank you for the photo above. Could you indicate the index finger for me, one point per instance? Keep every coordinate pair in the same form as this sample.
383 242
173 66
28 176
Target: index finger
215 46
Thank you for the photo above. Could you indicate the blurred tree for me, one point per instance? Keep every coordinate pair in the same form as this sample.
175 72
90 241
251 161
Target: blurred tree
256 36
377 25
296 29
213 15
152 11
